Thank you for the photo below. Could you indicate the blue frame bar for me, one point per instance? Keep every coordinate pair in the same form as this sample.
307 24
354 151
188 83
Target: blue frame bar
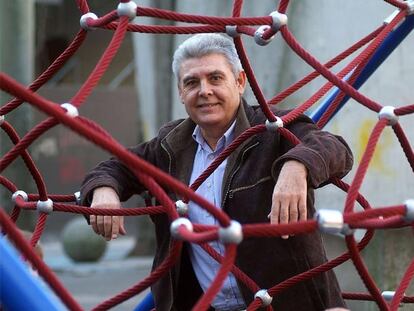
393 39
20 290
147 304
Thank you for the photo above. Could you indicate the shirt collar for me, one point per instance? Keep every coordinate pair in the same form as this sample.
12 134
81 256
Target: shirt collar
222 143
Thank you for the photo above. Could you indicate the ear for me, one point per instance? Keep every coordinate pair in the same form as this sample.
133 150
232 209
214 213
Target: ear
241 82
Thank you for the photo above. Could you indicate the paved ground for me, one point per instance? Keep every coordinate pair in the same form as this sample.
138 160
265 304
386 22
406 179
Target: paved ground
92 283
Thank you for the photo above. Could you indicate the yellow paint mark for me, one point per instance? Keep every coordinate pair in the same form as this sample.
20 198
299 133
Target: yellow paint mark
378 163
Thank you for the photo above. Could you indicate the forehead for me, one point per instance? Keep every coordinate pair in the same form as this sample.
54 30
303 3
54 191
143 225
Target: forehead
204 65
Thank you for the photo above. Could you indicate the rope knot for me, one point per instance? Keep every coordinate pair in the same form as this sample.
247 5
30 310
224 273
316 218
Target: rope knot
45 206
84 20
231 234
176 224
387 112
128 9
264 296
20 193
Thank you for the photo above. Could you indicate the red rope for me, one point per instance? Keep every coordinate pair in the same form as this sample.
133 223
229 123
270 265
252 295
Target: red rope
151 279
310 77
204 302
363 272
399 294
102 65
152 178
27 159
199 19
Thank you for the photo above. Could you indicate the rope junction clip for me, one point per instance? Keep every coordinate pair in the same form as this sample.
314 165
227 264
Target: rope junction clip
389 296
127 9
231 234
71 110
332 222
275 125
278 20
77 197
409 213
258 35
182 208
231 31
177 223
387 112
264 297
410 7
20 193
84 20
1 119
45 206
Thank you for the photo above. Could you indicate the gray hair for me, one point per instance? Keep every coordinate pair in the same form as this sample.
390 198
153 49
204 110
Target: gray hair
204 44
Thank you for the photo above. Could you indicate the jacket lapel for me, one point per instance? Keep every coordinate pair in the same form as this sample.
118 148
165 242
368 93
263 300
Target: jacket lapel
181 148
242 124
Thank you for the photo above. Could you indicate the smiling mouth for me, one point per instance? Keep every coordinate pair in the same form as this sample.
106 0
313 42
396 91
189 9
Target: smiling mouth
207 105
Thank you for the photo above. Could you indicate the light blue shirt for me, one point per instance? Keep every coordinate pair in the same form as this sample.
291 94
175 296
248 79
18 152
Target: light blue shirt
205 267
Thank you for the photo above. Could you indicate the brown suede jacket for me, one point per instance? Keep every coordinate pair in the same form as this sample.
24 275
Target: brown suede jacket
248 185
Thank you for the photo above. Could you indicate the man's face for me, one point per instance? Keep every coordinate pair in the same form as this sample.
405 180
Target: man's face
210 91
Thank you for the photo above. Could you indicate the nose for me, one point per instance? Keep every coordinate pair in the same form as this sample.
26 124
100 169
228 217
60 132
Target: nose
205 88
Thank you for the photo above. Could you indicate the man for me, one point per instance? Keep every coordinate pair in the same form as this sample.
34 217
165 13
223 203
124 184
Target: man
266 177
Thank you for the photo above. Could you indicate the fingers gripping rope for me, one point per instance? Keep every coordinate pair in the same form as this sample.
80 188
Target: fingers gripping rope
229 232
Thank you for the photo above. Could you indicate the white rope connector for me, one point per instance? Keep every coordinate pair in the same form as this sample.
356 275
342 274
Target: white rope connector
231 234
264 297
20 193
77 197
387 112
45 206
410 7
409 212
278 20
71 110
127 9
231 31
84 20
388 295
258 35
177 223
182 208
275 125
331 221
389 18
1 119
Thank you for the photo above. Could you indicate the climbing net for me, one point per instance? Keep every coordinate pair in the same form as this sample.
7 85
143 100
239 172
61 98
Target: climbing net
262 29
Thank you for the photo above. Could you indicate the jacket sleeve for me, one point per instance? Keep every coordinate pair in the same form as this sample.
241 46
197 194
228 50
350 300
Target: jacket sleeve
113 173
325 155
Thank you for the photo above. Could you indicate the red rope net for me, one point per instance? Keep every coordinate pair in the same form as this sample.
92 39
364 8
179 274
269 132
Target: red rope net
370 219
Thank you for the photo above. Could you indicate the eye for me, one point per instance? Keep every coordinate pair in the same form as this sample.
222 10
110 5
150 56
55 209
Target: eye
216 78
189 83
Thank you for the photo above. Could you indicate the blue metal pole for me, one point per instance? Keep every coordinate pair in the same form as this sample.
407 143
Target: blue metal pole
147 304
19 290
393 39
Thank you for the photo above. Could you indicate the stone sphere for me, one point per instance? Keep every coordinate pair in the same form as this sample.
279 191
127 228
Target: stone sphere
81 243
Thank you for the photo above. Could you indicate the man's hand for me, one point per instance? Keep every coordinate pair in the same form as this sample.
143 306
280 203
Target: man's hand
107 226
289 195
